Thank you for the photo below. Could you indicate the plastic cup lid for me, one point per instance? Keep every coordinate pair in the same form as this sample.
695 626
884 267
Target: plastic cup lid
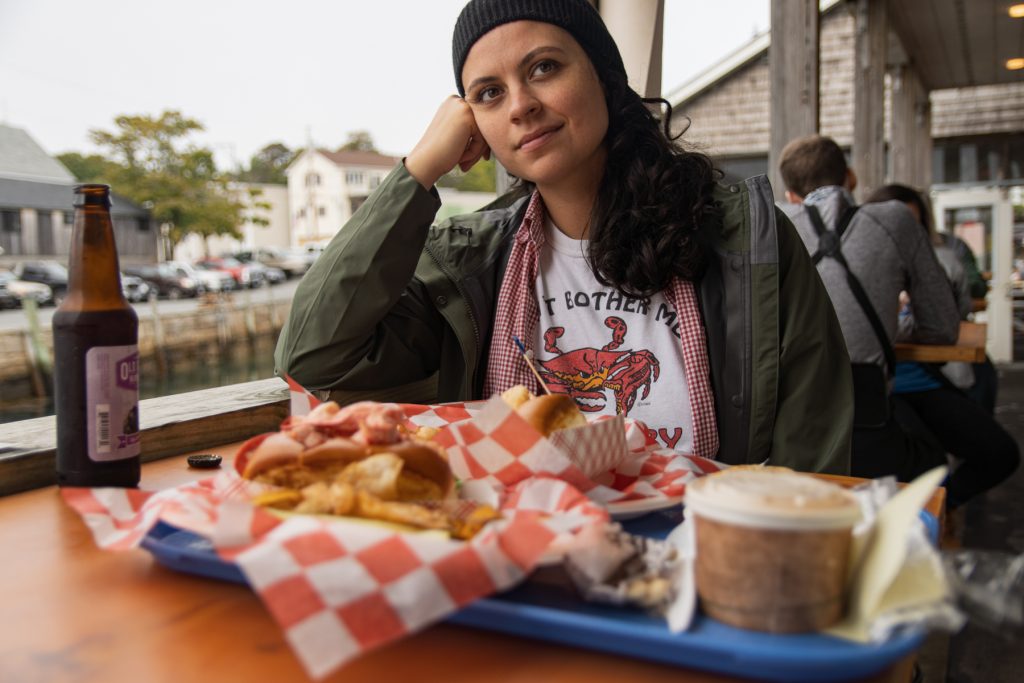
772 497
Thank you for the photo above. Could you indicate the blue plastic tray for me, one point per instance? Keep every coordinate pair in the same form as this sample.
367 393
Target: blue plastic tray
550 612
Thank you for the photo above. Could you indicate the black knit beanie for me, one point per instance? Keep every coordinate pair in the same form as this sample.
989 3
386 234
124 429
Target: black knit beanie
578 17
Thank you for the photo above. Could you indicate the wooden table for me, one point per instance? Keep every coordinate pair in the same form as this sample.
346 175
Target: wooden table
72 612
969 347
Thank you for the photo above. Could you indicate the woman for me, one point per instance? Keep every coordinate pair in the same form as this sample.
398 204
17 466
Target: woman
638 284
927 402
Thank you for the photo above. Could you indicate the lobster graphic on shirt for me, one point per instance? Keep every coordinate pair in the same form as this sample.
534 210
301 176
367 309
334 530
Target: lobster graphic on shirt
587 374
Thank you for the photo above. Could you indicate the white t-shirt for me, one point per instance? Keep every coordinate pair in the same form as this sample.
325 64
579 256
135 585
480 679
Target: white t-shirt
611 352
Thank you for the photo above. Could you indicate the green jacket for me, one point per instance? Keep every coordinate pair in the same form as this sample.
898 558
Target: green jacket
393 300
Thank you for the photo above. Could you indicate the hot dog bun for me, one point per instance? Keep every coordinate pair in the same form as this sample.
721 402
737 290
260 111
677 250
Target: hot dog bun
516 396
278 451
360 462
552 412
424 460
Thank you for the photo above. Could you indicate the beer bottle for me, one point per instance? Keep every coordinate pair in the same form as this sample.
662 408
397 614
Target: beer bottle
96 357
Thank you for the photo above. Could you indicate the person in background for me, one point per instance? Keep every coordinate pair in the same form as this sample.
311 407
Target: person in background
985 388
638 283
984 452
977 288
886 251
978 380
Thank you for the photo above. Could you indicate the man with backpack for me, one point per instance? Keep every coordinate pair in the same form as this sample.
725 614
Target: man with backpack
866 257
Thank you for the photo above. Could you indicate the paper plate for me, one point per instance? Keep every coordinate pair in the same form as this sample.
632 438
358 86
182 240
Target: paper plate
636 508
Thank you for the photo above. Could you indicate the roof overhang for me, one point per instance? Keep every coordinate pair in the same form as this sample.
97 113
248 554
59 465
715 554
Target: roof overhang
959 43
953 43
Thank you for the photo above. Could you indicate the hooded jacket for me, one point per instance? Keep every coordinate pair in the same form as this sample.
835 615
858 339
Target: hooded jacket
394 300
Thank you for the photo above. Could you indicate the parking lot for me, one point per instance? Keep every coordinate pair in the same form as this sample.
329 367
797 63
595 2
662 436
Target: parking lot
15 319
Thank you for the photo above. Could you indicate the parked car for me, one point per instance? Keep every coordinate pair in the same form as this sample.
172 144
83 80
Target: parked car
50 273
260 272
8 299
257 272
294 262
14 291
243 274
212 280
275 276
135 289
165 280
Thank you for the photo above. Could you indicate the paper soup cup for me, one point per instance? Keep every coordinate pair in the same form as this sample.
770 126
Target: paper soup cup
772 548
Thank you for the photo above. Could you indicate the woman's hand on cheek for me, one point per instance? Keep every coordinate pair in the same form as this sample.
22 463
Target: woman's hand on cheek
476 151
451 139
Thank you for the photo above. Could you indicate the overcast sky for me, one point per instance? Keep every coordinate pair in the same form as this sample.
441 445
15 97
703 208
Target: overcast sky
255 72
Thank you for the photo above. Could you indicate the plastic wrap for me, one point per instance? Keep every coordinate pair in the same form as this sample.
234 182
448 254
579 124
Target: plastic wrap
612 566
989 588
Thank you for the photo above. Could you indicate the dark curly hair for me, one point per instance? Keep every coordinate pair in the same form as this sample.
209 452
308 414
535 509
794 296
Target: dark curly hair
654 218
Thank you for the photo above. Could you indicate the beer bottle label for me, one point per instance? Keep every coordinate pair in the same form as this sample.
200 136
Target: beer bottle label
112 402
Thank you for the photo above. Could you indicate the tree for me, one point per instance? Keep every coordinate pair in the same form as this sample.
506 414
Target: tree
153 162
359 141
91 168
268 165
479 178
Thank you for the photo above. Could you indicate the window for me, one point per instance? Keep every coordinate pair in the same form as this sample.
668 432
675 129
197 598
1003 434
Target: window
321 211
980 159
69 219
355 177
10 220
312 179
1015 157
302 213
375 181
142 225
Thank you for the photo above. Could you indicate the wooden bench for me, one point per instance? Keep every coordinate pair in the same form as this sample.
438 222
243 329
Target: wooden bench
969 347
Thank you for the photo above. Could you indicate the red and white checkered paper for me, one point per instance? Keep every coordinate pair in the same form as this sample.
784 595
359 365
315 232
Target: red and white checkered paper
300 399
489 441
341 587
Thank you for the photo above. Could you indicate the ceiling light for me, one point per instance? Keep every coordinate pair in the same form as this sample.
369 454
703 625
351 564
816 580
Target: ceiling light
1015 63
1017 11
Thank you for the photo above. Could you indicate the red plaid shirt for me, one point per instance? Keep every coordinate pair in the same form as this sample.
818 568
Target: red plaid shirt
518 315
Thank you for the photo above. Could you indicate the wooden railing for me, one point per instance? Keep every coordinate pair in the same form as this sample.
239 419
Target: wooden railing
171 425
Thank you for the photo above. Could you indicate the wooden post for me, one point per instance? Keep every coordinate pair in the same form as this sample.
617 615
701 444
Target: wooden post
793 62
925 143
275 319
223 331
159 349
910 150
871 42
637 27
249 316
39 358
35 376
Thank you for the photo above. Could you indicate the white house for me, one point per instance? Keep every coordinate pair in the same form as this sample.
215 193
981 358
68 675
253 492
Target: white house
325 188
